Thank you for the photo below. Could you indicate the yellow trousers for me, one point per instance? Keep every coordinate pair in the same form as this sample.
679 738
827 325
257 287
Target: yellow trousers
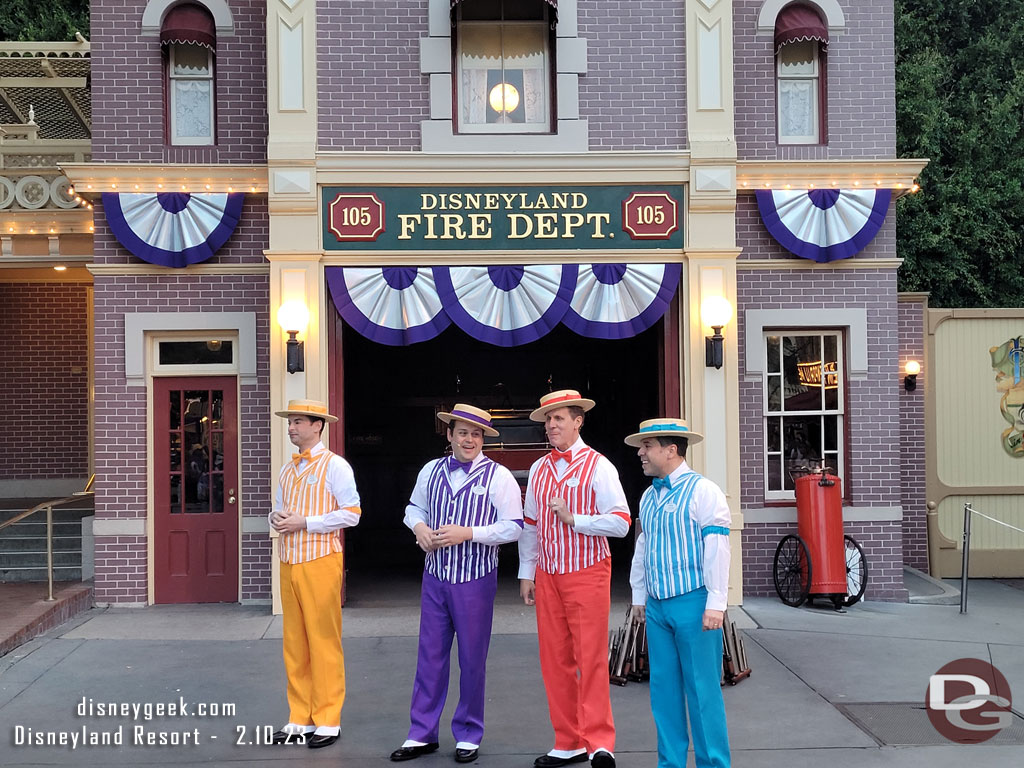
313 659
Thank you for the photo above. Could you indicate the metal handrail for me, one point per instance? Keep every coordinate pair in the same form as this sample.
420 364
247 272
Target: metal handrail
48 506
966 559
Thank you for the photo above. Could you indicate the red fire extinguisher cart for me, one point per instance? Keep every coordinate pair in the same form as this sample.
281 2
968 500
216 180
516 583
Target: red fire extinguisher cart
820 560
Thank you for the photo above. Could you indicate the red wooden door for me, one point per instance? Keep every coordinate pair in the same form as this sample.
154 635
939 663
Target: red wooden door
195 548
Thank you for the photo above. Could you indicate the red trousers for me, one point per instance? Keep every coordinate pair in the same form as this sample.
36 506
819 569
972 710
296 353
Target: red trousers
572 629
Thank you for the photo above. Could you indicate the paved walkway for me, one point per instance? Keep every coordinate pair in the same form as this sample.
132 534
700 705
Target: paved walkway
811 668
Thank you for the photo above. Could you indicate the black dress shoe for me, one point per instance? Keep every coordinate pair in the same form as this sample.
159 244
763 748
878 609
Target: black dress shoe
466 755
315 742
285 737
602 759
408 753
547 761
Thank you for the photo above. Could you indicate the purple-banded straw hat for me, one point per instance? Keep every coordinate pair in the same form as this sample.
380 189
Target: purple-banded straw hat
470 415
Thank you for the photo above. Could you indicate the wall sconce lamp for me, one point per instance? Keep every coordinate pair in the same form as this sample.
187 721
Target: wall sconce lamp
911 369
715 312
293 317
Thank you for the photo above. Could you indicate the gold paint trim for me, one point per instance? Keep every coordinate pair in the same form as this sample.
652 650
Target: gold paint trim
196 178
899 175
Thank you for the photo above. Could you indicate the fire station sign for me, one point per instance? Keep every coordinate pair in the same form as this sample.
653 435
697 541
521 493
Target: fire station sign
503 218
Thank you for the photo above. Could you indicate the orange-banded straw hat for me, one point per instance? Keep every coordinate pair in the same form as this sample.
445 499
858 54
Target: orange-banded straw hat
563 398
470 415
663 428
315 408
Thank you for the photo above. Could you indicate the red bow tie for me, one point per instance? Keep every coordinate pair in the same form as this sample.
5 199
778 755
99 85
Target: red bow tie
557 454
297 457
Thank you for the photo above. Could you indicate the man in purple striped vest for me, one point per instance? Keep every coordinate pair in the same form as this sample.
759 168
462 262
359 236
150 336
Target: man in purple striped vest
463 507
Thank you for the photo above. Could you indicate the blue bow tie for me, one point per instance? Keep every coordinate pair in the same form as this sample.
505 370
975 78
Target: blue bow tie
454 464
662 482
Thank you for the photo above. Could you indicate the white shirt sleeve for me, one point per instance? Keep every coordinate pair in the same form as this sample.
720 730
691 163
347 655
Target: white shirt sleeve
342 484
613 509
278 499
416 509
715 519
637 574
528 538
507 499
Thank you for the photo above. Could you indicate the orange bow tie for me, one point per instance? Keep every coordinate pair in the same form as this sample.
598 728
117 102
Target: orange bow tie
297 457
567 455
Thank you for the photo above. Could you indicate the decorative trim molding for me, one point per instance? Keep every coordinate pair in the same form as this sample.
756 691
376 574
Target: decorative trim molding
91 179
855 320
255 524
759 265
115 270
138 324
473 258
850 515
899 175
155 11
105 526
830 9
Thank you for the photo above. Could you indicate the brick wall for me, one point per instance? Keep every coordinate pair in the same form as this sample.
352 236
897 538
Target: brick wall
44 358
371 94
861 100
634 91
912 444
128 91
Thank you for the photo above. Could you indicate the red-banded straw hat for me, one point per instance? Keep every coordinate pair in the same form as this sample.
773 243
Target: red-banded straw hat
470 415
563 398
316 409
663 428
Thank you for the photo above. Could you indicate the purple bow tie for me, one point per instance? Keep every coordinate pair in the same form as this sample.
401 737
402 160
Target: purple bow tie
454 464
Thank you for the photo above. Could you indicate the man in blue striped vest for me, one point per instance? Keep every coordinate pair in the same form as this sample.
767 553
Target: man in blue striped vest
680 581
463 507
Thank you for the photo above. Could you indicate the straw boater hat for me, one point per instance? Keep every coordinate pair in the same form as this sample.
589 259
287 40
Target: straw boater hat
663 428
470 415
563 398
314 408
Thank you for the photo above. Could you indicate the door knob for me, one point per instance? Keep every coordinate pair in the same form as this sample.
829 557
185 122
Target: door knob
231 495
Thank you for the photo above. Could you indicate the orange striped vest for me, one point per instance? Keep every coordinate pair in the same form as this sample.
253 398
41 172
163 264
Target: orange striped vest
560 548
307 492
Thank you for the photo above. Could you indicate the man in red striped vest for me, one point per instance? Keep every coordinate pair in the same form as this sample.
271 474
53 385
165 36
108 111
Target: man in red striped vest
316 498
574 501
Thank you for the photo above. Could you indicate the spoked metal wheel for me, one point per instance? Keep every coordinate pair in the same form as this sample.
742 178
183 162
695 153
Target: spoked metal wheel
792 571
856 571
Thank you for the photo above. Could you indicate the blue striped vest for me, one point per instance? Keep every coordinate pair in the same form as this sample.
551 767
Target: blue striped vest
471 506
674 555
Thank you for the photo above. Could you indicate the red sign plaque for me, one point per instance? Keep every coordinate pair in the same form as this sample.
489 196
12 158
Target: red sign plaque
650 215
355 217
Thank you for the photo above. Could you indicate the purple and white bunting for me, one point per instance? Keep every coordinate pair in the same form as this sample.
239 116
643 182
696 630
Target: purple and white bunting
172 229
617 301
396 306
823 224
506 305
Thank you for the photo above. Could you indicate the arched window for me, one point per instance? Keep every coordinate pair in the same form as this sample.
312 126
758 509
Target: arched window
189 40
801 40
504 65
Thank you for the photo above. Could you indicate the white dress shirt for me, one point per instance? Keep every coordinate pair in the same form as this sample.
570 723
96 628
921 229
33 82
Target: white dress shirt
342 485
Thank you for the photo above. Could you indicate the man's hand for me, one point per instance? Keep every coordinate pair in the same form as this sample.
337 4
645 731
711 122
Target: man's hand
713 619
558 506
289 522
424 537
526 591
450 535
637 614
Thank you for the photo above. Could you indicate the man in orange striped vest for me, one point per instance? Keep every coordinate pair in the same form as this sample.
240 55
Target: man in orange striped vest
316 498
574 501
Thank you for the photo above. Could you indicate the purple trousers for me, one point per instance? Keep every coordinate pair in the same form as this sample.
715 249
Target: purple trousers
447 610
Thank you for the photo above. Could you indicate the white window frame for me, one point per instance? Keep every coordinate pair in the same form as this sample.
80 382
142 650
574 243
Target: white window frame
172 112
815 80
544 127
194 369
839 412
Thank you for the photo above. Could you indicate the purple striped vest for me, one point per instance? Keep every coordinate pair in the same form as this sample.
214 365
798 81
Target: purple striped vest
470 506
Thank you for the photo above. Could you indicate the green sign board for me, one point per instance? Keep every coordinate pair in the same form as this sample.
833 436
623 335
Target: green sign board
503 218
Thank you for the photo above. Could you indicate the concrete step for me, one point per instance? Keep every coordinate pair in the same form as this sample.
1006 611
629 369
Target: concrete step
37 558
16 575
38 529
38 544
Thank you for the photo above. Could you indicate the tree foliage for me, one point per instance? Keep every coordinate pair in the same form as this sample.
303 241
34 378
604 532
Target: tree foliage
960 102
43 20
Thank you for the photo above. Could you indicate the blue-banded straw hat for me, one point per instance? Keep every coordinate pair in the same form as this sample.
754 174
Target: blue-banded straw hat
471 415
663 428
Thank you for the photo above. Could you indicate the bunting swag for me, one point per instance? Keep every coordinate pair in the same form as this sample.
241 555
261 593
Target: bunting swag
823 224
172 229
396 306
502 305
616 301
506 306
